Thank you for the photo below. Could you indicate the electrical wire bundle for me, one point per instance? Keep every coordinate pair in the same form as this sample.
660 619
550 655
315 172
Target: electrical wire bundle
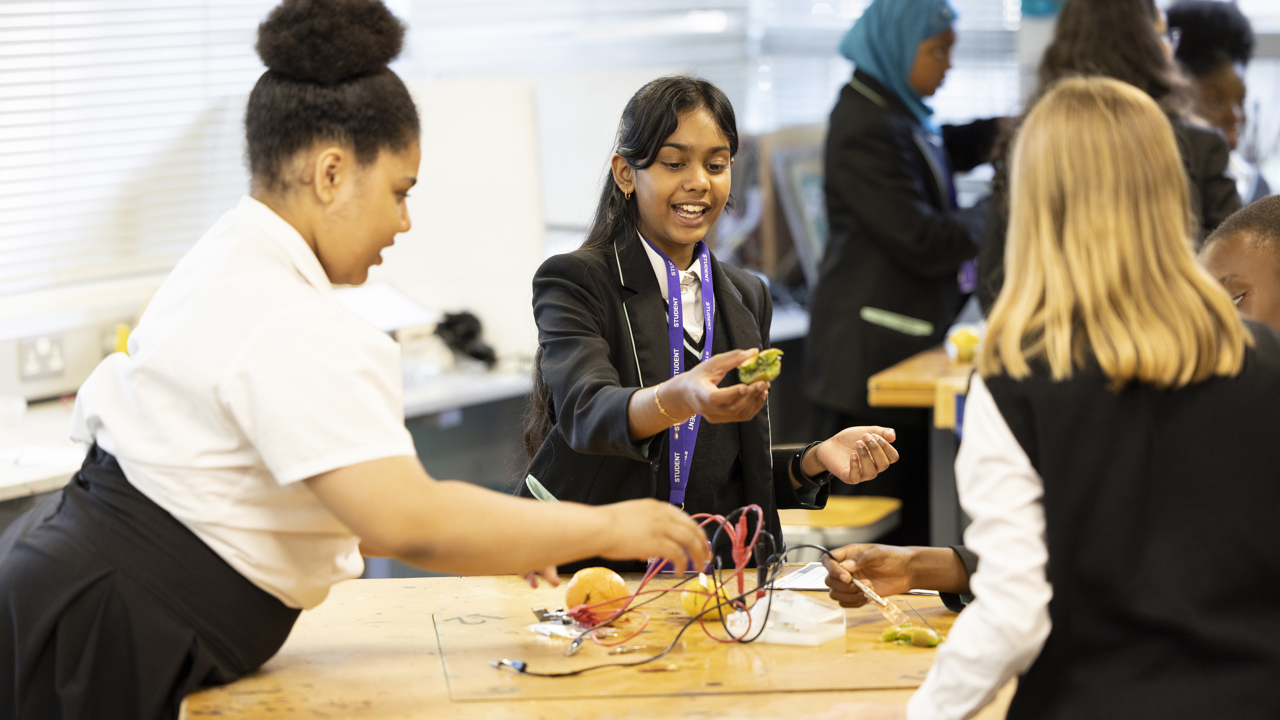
735 527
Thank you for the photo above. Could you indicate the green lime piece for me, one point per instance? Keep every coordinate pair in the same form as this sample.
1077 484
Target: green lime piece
766 366
924 637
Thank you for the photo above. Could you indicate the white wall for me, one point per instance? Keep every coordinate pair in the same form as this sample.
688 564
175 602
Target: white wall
478 228
577 114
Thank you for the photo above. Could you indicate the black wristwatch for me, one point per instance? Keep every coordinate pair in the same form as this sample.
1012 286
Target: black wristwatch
823 477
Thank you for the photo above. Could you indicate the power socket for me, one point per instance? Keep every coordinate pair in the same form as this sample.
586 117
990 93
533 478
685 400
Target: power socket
41 358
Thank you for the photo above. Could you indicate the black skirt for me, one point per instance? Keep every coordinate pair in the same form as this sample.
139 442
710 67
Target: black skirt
110 607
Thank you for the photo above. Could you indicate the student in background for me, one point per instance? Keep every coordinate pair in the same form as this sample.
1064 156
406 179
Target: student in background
1119 460
1125 40
614 416
1215 44
1244 255
252 442
890 282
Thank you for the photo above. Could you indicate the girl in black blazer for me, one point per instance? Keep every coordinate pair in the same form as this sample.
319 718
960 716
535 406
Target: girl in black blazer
890 281
614 414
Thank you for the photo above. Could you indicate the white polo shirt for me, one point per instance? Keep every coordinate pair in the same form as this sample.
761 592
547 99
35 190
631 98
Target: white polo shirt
245 376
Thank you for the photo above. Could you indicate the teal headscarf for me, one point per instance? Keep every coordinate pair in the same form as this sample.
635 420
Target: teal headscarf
884 41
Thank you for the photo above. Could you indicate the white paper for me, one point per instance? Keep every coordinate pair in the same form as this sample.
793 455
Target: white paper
813 577
809 577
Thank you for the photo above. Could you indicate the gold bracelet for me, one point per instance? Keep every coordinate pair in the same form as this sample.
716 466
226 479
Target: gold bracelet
662 409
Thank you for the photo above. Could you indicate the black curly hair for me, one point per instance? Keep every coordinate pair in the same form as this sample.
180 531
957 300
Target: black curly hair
326 81
1213 34
1259 221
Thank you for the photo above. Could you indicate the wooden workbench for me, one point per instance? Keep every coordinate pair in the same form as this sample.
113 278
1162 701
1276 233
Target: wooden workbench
373 651
925 380
932 380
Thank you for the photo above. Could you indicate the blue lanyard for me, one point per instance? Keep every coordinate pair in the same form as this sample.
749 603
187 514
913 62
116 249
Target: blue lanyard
682 443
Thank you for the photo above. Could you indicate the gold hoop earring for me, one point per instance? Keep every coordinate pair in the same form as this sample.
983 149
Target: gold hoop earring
626 196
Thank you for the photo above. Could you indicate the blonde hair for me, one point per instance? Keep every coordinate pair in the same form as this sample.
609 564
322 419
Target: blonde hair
1099 259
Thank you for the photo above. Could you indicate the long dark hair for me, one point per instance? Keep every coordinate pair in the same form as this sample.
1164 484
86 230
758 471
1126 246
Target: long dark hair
650 117
1112 38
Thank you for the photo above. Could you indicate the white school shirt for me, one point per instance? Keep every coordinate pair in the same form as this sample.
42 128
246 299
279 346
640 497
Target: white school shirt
245 376
999 634
690 291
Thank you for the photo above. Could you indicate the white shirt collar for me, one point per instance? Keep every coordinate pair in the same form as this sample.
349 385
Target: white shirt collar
290 240
660 269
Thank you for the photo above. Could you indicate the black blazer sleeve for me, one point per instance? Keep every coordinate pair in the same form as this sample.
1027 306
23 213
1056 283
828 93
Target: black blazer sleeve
878 175
991 252
1214 197
589 402
956 603
970 145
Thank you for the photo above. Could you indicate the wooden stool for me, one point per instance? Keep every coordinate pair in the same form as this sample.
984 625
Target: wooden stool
845 520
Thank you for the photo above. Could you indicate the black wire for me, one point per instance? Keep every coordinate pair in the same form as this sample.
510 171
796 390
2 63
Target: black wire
780 561
775 560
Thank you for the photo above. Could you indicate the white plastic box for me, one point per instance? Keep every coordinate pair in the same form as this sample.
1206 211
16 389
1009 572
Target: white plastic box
793 619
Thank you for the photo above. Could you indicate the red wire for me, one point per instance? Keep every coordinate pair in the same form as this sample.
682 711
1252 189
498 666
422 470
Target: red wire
741 553
625 639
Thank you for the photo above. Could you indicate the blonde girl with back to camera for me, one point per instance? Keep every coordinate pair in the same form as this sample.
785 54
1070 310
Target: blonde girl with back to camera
1119 460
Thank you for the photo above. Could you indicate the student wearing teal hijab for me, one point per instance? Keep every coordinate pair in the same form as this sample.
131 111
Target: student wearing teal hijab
889 39
891 281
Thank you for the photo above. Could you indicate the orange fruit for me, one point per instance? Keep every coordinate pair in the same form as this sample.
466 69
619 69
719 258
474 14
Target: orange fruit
590 586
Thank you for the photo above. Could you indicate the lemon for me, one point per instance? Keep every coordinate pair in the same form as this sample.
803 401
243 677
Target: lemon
699 598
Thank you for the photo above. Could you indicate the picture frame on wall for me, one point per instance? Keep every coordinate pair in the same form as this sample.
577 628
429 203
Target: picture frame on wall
798 180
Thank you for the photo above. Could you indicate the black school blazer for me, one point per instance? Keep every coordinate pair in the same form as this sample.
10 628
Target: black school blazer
895 243
602 327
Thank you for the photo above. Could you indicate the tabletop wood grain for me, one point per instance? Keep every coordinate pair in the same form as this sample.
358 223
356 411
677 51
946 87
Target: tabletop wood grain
373 651
913 382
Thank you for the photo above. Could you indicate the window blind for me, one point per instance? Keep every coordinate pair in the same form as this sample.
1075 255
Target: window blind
120 120
775 59
796 71
514 36
120 133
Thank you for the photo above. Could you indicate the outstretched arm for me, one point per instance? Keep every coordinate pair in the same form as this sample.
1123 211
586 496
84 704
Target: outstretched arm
399 511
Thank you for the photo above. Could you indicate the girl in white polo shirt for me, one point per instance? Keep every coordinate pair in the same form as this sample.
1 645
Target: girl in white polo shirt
252 443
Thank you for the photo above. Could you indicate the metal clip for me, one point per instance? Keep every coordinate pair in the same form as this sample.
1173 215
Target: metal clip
553 616
625 649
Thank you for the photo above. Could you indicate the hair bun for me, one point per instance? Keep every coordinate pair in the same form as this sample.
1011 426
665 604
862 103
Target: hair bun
329 41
